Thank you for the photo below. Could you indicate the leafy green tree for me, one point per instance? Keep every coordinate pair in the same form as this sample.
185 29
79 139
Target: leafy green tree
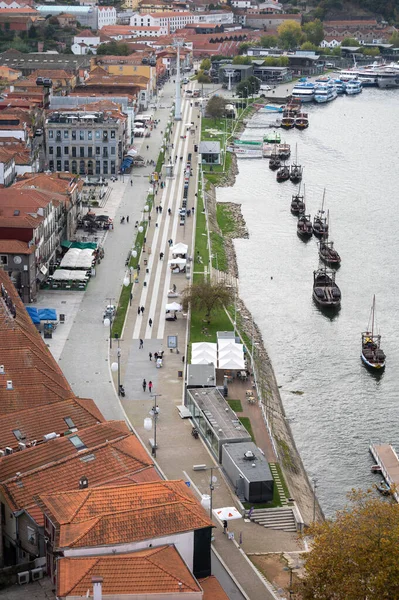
394 39
349 42
336 51
243 47
207 296
309 47
355 556
269 41
114 49
371 52
314 32
205 64
283 61
290 34
248 87
215 107
202 78
242 60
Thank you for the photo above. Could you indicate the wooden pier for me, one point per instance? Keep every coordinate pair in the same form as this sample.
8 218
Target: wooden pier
385 456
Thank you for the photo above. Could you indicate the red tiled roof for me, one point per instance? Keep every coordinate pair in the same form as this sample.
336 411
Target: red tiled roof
34 423
86 33
116 515
107 463
212 589
15 247
19 11
349 24
5 155
152 571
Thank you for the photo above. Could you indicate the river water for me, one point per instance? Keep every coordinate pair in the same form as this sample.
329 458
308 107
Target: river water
351 149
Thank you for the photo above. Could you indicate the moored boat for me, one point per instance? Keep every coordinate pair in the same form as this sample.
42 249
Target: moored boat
272 138
304 227
296 170
303 91
339 85
288 120
297 204
353 87
326 292
284 151
302 121
325 92
328 253
372 355
376 469
384 488
320 225
283 174
274 162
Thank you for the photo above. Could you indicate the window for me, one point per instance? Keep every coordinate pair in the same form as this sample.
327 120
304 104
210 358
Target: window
82 169
81 135
66 134
77 442
51 165
51 134
105 167
73 150
66 165
105 152
69 422
98 151
98 134
31 533
58 134
81 151
74 166
89 135
113 149
73 135
113 134
90 167
89 151
59 168
98 167
113 170
51 149
3 259
59 149
66 149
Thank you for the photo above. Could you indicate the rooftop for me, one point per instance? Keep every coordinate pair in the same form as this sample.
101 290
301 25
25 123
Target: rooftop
152 571
117 515
252 469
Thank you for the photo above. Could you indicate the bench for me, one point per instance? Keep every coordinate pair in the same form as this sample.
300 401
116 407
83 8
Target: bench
199 467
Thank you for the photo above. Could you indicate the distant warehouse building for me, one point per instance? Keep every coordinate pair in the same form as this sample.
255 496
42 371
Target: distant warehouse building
95 17
248 471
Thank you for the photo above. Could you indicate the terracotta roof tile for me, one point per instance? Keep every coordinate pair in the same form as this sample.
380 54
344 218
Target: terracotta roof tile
115 515
60 448
151 571
212 589
109 462
15 247
34 423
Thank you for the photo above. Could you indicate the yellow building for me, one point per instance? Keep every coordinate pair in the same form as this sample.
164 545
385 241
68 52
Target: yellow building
9 74
132 4
126 65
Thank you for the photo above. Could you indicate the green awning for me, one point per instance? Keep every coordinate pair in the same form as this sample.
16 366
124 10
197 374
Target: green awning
80 245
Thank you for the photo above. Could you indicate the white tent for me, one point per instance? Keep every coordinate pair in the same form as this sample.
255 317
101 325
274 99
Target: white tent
202 361
177 261
227 513
179 248
203 346
66 275
173 306
203 353
77 258
232 350
222 342
232 362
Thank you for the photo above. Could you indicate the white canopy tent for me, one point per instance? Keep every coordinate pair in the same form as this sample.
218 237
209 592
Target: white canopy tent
179 248
66 275
77 258
177 261
173 306
203 353
227 513
202 361
222 342
233 350
233 363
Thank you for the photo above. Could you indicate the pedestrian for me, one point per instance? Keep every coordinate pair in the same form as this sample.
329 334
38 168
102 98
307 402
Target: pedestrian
139 311
142 310
150 386
150 322
182 358
131 182
148 147
127 219
149 219
156 355
169 211
144 385
224 524
160 255
160 209
138 269
150 355
157 209
192 210
141 346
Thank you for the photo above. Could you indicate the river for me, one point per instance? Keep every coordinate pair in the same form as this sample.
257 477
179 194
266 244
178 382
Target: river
351 149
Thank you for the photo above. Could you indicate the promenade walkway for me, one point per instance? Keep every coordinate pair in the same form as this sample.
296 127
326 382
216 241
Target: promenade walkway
86 355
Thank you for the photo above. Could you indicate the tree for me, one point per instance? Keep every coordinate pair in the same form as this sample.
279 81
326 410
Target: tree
269 41
242 60
290 34
114 49
394 39
309 46
243 47
205 64
202 78
371 52
356 555
248 87
314 32
215 107
207 296
350 42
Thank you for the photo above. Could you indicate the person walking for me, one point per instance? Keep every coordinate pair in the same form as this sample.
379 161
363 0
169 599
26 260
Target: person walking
139 311
150 386
144 385
150 355
169 211
225 524
192 210
160 209
156 355
142 310
131 182
150 322
148 147
157 209
127 219
141 346
160 255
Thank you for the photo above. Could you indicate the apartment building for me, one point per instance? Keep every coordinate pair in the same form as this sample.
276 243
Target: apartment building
171 20
85 143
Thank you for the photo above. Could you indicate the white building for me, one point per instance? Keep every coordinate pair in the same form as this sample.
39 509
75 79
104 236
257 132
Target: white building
106 15
220 17
86 42
7 167
171 20
241 3
330 43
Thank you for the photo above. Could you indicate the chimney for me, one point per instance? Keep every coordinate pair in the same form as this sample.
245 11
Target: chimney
83 483
97 588
40 46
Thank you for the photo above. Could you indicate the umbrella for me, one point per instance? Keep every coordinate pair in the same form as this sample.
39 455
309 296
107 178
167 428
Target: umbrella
227 513
173 306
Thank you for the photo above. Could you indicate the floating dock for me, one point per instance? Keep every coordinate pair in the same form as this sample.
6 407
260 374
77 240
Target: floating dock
385 456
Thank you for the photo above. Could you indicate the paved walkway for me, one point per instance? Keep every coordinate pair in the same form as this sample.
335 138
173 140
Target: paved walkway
86 356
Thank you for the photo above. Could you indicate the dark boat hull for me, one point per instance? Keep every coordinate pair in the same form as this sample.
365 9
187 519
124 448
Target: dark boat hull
304 235
327 304
372 366
331 263
319 233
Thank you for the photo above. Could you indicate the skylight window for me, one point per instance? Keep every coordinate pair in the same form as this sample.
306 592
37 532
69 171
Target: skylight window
77 442
69 422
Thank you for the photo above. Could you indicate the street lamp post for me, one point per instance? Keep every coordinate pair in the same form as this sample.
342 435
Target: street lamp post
117 367
149 423
290 569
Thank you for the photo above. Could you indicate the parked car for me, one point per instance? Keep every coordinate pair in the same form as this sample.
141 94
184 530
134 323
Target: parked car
186 80
39 132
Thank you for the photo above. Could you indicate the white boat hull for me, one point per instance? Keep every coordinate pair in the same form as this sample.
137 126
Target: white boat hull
303 99
388 82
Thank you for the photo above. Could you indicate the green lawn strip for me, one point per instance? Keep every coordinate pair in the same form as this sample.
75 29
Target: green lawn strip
201 238
219 257
219 322
246 421
138 245
235 405
225 219
160 161
123 304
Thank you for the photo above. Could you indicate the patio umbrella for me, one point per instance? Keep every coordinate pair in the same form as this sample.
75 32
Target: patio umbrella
227 513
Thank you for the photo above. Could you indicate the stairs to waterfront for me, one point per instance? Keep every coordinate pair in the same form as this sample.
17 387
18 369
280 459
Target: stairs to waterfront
278 484
275 518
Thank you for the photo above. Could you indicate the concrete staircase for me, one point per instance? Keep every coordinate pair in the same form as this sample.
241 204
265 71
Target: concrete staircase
275 518
278 484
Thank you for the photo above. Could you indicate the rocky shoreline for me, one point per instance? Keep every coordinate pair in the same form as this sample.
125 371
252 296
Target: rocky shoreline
291 463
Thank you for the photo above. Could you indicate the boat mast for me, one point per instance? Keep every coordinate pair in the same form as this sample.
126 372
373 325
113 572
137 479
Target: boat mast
372 317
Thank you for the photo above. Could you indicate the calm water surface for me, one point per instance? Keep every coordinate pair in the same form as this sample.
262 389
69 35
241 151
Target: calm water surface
352 149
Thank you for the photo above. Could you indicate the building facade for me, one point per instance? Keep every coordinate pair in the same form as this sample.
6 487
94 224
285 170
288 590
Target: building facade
85 144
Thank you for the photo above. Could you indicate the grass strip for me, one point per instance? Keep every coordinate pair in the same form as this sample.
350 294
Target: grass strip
246 421
235 405
219 256
124 299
